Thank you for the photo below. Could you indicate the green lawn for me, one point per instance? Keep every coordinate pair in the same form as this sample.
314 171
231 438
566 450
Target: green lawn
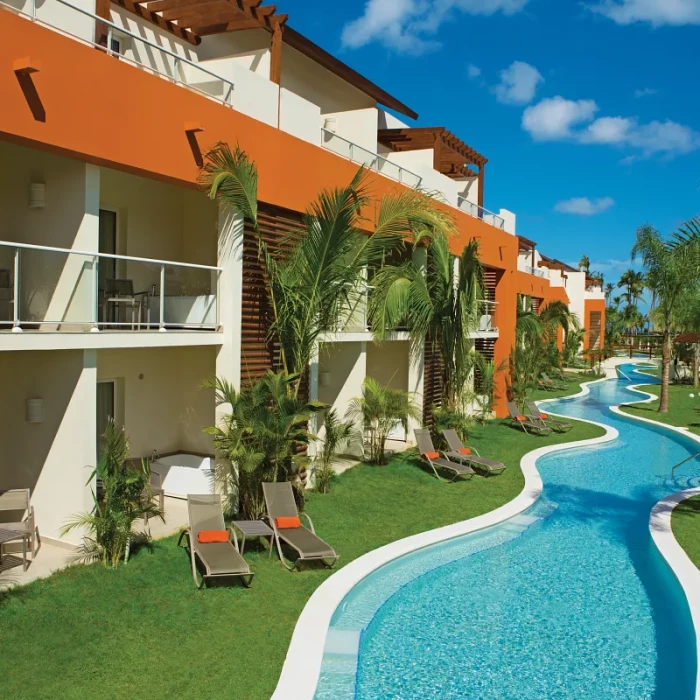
686 527
144 631
683 411
573 383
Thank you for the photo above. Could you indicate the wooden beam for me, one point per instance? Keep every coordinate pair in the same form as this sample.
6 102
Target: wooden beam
201 9
276 54
152 17
102 9
221 27
162 5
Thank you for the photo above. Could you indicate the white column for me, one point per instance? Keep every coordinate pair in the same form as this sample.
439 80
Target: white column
61 490
230 298
313 396
416 365
73 296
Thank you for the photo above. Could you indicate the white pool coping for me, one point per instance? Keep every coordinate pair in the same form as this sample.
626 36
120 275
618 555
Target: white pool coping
302 665
683 568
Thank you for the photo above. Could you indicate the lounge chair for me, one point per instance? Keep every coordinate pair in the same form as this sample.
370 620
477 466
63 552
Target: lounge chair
558 426
430 455
557 386
459 451
16 513
527 424
283 516
220 558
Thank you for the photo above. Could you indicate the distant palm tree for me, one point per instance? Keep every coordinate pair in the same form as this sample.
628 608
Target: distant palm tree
633 284
584 264
609 289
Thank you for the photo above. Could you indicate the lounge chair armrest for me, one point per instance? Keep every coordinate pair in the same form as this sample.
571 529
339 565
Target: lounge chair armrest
311 522
474 450
30 518
141 294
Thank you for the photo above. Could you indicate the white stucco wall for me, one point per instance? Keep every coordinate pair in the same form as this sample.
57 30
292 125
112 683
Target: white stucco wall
53 458
358 126
60 16
250 49
299 117
54 286
576 291
161 402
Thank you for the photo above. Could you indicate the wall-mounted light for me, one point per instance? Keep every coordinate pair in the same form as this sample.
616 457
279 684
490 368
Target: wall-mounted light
324 378
34 411
331 124
37 195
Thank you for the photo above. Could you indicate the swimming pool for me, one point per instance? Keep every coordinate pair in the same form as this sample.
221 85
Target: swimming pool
571 599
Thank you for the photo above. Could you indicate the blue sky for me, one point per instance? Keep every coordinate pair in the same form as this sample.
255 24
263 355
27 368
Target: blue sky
589 112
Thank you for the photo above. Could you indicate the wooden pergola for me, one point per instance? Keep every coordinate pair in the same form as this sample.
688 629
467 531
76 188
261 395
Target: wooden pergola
525 245
190 20
553 264
452 157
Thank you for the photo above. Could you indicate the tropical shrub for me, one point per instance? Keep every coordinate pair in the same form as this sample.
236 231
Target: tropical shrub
264 437
123 498
338 434
451 418
379 410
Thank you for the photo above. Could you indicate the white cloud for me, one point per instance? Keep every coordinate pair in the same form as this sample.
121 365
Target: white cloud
473 71
407 26
518 84
583 206
558 119
554 118
645 92
655 12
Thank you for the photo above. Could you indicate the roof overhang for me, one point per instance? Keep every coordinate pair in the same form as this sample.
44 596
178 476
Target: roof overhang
526 243
452 156
692 338
193 19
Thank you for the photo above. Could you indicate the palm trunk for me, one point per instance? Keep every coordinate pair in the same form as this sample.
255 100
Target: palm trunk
665 371
696 366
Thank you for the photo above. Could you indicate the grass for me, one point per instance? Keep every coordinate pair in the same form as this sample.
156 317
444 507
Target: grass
144 631
685 522
683 411
573 381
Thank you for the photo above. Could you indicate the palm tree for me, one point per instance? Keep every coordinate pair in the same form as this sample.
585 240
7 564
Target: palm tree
633 283
379 410
321 279
669 273
437 305
609 289
584 264
262 438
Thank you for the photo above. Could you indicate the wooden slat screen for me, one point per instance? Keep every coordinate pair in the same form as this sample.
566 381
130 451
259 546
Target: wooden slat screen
594 333
277 228
432 384
487 347
491 279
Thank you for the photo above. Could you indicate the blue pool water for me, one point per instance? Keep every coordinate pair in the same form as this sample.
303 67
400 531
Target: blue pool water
568 600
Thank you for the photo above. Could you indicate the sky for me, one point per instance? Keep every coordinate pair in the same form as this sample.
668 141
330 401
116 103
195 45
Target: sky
589 112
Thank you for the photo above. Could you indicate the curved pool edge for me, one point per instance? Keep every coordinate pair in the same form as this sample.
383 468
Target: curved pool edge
683 569
679 562
302 665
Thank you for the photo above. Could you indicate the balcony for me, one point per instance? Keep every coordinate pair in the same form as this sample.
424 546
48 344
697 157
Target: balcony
487 320
480 213
56 290
372 161
537 271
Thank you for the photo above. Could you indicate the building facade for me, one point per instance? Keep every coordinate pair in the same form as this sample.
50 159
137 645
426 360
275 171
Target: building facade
122 286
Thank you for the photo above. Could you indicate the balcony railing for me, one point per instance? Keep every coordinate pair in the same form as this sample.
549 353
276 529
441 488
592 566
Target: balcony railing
488 322
480 213
59 289
342 147
129 47
537 271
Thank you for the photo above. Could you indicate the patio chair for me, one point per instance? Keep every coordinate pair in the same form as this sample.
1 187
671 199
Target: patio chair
557 386
459 451
211 542
558 426
430 455
16 513
120 293
527 424
283 516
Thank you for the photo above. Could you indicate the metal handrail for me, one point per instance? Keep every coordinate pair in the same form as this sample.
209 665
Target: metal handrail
121 30
481 211
376 156
94 254
673 469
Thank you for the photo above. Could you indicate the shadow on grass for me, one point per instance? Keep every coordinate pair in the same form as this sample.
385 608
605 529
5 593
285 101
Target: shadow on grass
688 508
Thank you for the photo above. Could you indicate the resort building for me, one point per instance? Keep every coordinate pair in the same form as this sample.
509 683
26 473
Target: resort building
122 287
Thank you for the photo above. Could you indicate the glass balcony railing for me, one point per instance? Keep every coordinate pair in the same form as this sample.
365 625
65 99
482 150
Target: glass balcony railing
372 161
58 289
488 317
537 271
480 213
124 45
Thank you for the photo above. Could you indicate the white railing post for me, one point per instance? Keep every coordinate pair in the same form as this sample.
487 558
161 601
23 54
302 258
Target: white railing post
95 294
33 10
161 328
15 295
109 40
176 70
351 151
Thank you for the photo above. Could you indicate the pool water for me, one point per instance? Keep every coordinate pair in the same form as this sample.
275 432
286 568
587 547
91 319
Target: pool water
569 600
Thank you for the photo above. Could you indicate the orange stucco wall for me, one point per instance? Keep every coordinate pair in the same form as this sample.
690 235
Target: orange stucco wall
103 111
591 305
